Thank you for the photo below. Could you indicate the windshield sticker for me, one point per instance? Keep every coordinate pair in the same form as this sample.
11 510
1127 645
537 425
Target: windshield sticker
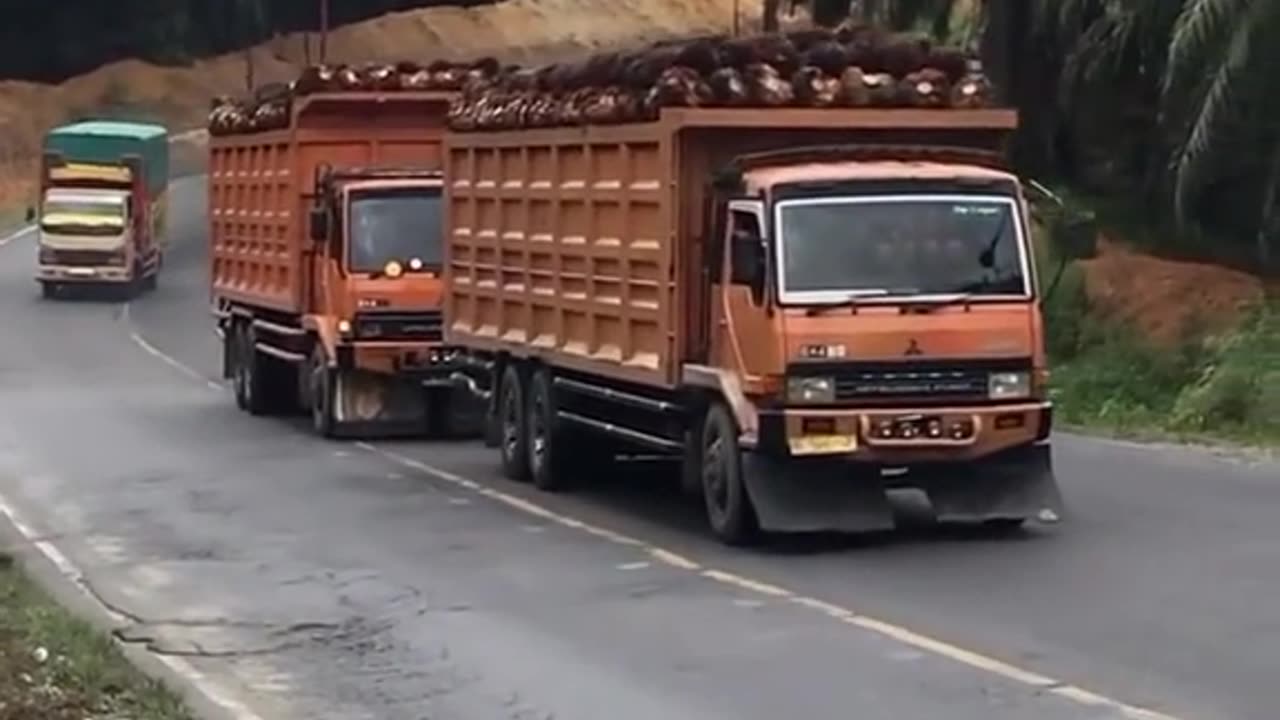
984 209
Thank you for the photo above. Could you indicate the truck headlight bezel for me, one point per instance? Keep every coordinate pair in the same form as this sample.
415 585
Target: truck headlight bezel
1009 385
811 390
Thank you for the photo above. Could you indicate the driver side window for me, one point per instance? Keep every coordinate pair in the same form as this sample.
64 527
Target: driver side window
746 252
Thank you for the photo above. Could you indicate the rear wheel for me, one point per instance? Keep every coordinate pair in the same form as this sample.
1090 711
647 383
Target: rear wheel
239 372
549 445
724 491
514 444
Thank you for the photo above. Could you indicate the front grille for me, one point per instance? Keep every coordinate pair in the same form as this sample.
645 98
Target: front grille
911 382
421 326
80 257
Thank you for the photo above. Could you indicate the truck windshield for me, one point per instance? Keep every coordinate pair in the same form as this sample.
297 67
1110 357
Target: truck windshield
83 215
834 249
395 224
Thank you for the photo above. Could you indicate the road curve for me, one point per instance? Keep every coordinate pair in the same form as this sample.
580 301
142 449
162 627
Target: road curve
314 579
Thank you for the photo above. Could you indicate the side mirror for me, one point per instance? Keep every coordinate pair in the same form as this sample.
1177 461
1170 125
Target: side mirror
31 214
747 260
1075 235
319 223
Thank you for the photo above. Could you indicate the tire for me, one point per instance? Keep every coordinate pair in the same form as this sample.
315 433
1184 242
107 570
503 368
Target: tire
152 282
550 446
514 442
491 433
266 389
239 372
724 491
49 290
323 390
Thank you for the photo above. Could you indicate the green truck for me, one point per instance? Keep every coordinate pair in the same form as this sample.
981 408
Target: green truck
103 195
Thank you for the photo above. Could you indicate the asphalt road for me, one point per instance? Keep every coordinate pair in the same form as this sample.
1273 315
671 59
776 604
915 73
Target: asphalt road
311 579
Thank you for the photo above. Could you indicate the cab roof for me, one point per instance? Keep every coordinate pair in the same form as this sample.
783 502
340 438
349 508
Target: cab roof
762 179
112 128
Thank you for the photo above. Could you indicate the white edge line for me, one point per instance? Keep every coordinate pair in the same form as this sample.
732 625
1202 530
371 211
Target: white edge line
73 574
17 234
924 643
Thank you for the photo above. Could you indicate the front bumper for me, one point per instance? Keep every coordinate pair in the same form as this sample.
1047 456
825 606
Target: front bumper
84 274
418 360
902 435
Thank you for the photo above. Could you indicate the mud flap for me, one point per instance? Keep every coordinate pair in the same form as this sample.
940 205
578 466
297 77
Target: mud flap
373 404
794 496
1015 484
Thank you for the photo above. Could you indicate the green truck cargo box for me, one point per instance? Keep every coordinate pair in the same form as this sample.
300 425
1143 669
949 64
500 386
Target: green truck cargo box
107 142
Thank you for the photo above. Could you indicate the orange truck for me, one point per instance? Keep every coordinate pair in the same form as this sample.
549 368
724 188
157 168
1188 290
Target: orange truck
807 308
326 262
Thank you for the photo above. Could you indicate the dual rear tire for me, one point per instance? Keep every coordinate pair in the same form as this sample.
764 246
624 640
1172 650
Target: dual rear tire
262 385
538 446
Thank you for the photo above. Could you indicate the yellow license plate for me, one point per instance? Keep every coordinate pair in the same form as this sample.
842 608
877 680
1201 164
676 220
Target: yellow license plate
823 444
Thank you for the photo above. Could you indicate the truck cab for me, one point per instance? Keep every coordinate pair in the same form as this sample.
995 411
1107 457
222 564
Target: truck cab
882 305
379 236
85 234
88 230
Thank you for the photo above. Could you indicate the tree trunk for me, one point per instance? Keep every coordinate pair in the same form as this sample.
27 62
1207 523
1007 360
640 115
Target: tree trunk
770 19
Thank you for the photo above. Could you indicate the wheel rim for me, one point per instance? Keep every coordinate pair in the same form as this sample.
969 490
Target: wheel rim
715 480
537 430
510 423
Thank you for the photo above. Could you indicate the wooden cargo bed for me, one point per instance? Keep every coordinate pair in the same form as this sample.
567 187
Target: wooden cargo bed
580 245
262 184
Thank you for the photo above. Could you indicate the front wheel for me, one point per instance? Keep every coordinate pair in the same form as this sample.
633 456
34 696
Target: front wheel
729 510
322 395
49 290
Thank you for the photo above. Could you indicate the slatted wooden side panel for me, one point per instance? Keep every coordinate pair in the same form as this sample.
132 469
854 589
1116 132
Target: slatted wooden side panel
559 245
252 211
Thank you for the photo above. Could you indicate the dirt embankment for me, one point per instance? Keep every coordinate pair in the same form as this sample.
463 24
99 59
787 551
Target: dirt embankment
515 31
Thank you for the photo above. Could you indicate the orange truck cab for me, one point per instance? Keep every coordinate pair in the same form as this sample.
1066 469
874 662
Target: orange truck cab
327 260
808 308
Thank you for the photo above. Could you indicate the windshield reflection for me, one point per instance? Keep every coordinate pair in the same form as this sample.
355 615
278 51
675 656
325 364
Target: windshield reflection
833 248
395 224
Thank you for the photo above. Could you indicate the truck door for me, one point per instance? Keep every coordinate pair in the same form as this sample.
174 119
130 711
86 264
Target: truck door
747 340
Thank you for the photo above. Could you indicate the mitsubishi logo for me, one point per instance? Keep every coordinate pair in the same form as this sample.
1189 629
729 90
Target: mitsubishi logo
913 348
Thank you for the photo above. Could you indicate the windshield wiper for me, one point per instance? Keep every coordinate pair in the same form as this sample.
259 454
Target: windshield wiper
858 297
987 258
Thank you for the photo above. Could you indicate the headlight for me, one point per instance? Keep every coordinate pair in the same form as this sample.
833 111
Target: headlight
811 390
393 269
1009 385
344 327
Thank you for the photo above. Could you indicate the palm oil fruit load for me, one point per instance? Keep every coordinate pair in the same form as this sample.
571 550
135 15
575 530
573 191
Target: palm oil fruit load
270 106
848 67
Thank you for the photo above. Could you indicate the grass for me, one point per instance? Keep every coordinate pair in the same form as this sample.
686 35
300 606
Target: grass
55 667
1208 387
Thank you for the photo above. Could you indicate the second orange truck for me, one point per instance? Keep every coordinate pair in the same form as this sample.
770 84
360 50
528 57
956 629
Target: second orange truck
806 308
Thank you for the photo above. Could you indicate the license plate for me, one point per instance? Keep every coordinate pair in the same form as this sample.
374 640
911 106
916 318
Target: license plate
823 444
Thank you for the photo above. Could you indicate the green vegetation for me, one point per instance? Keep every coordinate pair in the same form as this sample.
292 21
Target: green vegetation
1106 376
55 667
